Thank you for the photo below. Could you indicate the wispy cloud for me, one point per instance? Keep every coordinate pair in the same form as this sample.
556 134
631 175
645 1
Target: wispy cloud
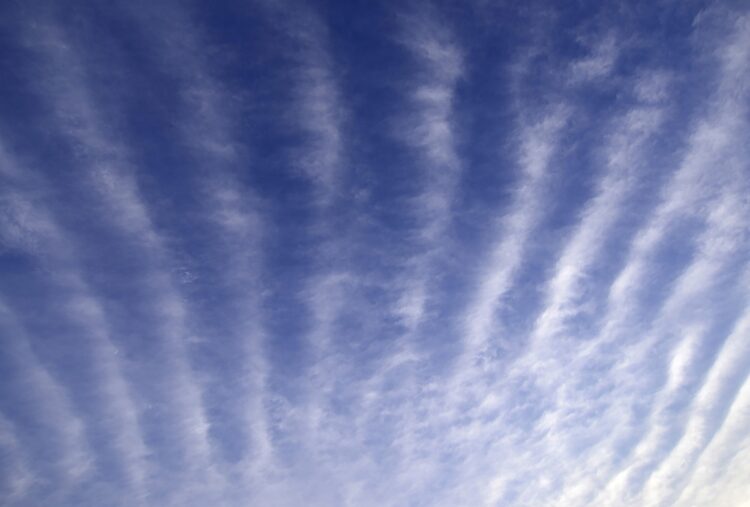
74 460
17 483
208 128
538 146
429 128
721 390
42 237
106 165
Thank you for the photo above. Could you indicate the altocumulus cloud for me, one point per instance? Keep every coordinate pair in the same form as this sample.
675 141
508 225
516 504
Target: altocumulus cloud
375 253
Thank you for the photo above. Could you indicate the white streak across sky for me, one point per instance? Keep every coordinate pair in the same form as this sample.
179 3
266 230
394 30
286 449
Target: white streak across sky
368 253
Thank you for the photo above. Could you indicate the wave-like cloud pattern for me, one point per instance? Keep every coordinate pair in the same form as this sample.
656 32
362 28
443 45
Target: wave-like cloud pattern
367 253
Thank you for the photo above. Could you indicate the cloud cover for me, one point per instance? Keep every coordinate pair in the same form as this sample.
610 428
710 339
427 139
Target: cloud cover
355 253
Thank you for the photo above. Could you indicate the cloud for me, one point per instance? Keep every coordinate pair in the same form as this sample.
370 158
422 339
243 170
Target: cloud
74 459
286 254
105 164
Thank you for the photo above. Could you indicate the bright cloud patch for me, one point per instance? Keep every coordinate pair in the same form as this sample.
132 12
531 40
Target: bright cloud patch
375 254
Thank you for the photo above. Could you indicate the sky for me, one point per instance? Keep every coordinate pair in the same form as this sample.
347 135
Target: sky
278 253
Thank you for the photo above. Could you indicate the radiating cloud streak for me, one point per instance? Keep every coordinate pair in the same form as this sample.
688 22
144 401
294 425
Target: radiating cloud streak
105 164
718 393
429 129
537 150
59 257
74 460
17 483
209 130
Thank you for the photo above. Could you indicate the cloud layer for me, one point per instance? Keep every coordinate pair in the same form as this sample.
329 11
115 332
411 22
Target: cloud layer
360 254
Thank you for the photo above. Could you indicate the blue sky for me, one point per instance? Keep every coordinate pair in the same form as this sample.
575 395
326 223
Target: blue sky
369 253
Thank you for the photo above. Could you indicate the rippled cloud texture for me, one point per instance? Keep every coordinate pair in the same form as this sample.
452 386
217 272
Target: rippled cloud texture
280 253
